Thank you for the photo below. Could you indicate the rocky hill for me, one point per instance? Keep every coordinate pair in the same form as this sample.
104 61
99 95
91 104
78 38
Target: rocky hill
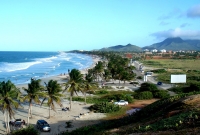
175 44
123 48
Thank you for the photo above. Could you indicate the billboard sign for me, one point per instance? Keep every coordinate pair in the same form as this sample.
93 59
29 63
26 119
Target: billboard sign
178 78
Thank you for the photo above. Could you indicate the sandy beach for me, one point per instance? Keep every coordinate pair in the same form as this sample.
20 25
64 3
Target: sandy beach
59 118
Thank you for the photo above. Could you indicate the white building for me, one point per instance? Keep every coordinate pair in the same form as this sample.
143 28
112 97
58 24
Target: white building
163 51
154 50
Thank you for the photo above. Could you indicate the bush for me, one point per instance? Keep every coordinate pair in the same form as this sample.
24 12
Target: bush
104 107
148 87
101 92
91 92
118 97
159 71
194 87
30 130
177 89
161 94
77 98
129 98
144 95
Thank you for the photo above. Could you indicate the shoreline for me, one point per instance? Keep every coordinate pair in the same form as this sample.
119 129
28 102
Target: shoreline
59 118
61 78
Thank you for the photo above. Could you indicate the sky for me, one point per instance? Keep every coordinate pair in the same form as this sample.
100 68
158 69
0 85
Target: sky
64 25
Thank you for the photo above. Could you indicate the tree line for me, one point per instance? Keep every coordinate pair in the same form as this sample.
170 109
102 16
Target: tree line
111 66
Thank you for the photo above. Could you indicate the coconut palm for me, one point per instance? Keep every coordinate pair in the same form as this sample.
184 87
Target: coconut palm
53 94
88 85
99 68
34 92
74 84
8 95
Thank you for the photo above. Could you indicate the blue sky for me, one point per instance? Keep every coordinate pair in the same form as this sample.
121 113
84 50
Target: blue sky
63 25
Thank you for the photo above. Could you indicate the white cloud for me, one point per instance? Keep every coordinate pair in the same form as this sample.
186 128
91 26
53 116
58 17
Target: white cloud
194 12
185 34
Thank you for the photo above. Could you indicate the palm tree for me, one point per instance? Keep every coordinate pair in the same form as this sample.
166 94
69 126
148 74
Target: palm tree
34 92
88 85
74 84
53 94
98 69
8 95
106 74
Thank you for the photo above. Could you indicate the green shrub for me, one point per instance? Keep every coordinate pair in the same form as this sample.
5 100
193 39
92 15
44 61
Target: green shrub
129 98
80 99
161 94
101 92
117 97
91 92
144 95
104 107
30 130
148 87
159 71
194 87
177 89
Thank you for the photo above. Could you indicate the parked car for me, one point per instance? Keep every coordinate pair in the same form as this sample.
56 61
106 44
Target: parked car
42 125
121 102
159 83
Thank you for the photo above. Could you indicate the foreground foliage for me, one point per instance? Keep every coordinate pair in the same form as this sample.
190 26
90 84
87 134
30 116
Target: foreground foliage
30 130
165 114
105 107
149 91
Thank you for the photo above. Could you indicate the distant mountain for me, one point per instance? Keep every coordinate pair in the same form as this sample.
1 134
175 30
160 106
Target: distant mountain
175 44
123 48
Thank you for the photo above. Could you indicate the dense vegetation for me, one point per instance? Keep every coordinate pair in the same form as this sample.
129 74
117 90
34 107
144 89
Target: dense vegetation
113 66
149 91
168 113
30 130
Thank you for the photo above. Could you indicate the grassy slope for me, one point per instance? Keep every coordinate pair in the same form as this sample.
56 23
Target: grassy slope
172 116
178 114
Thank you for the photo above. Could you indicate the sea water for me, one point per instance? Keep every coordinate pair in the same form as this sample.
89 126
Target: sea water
20 67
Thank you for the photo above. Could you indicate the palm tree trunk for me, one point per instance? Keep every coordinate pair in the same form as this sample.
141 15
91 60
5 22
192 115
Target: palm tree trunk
49 111
5 122
8 123
70 102
29 109
85 97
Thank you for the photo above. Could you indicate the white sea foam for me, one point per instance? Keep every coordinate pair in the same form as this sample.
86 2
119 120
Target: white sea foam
46 59
42 67
9 67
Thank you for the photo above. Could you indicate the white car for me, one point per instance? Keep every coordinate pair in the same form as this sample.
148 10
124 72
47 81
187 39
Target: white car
121 102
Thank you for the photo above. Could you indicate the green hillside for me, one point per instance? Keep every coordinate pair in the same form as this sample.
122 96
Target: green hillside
175 44
178 114
123 48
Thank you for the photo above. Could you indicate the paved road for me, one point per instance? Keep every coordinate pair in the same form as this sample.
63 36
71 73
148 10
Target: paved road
150 79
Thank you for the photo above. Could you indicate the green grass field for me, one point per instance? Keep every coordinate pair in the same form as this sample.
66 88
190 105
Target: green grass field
173 66
183 64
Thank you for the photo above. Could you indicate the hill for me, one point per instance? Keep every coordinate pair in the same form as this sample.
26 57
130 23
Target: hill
175 44
123 48
174 115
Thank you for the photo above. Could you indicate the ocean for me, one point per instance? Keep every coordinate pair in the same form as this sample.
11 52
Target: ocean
20 67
